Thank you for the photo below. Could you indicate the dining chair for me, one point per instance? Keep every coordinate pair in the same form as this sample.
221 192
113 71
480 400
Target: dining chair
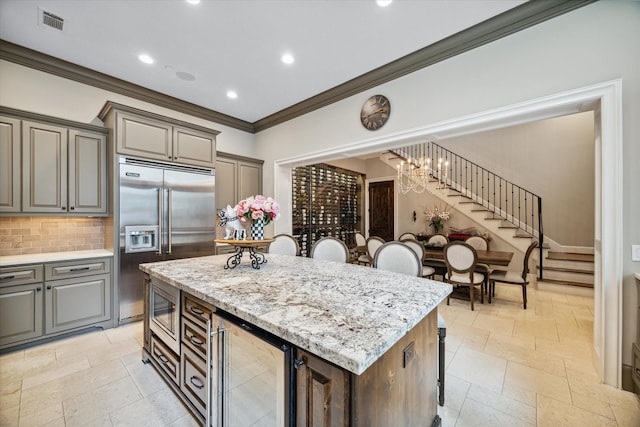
399 257
479 243
361 249
418 248
373 243
513 278
284 244
437 264
405 236
461 260
330 249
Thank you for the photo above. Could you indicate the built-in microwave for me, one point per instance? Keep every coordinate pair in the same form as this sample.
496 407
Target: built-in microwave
164 313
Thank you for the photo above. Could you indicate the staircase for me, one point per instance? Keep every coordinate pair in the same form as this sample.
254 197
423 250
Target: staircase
507 211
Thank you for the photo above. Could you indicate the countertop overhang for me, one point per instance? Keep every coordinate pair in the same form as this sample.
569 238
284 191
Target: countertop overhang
347 314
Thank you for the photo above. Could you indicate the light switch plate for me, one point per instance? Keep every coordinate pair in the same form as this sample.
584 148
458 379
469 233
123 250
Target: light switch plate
635 252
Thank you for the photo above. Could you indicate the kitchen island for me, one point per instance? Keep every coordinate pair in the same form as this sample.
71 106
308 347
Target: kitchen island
363 341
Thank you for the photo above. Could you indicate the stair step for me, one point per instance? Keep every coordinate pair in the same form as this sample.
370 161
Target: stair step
507 226
569 256
568 283
567 270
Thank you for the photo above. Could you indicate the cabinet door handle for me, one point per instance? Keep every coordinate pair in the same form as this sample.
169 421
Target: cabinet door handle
64 208
196 311
163 359
71 208
195 341
196 382
299 363
38 289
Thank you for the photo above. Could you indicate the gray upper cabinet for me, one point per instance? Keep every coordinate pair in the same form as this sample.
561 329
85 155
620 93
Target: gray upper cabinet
151 136
9 164
63 170
236 178
44 168
51 166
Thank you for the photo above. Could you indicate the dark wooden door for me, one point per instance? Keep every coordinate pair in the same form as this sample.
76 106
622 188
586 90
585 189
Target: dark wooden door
381 209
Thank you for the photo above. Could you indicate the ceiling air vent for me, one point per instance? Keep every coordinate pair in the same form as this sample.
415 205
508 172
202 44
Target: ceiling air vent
51 20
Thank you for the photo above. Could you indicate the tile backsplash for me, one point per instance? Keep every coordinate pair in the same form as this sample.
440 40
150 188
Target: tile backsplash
32 235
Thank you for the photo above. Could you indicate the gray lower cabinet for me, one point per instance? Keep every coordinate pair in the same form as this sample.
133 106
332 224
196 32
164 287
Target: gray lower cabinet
21 306
42 300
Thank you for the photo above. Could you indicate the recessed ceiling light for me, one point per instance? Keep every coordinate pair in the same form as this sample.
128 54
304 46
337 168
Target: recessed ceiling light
145 58
383 3
193 1
287 58
232 94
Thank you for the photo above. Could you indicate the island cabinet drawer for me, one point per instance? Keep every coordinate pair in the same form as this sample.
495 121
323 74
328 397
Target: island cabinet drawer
194 337
196 311
193 374
166 358
23 275
77 268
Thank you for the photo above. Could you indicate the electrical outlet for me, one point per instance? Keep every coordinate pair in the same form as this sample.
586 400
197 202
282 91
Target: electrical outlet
635 252
409 353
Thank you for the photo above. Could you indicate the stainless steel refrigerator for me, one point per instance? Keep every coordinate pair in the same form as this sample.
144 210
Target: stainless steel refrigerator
166 212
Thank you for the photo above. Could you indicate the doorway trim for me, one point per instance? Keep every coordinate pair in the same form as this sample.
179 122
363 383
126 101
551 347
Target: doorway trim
603 98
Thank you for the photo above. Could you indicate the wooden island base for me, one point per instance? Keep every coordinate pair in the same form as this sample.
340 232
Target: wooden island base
399 389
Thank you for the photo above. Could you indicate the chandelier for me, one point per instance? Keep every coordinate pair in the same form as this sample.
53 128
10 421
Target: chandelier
416 171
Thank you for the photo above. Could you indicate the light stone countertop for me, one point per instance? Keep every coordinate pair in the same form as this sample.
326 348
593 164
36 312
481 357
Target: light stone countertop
347 314
12 260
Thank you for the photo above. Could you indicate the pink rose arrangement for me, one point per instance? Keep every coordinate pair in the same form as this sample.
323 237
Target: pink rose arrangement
256 207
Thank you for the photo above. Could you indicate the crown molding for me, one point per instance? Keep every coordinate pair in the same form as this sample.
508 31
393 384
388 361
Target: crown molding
509 22
49 64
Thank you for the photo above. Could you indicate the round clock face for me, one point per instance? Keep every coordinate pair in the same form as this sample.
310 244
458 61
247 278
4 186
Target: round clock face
375 112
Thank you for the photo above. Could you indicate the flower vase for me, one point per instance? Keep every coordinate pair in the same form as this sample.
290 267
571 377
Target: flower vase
257 229
437 226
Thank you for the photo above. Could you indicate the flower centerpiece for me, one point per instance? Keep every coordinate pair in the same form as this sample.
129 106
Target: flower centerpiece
435 217
260 211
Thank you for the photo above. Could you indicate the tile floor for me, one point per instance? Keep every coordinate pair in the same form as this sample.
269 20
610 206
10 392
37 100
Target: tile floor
505 367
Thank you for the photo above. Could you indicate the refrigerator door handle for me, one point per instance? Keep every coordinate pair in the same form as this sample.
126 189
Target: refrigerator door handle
159 189
169 215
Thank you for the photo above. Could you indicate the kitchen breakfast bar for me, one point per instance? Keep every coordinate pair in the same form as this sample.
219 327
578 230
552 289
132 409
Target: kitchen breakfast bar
297 342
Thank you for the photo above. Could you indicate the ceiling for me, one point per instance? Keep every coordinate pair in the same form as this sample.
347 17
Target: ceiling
202 51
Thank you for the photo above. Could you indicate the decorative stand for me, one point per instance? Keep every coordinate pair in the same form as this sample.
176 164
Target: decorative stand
257 258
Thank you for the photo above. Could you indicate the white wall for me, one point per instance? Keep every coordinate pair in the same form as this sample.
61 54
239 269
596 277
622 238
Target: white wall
590 45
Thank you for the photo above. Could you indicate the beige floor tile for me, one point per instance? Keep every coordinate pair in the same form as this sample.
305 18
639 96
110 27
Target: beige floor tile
538 327
479 368
592 405
494 324
500 403
131 330
528 342
59 422
72 385
523 395
55 373
158 409
10 392
552 412
626 416
43 416
526 356
590 386
9 416
586 366
456 390
71 347
449 416
575 349
475 414
186 421
524 377
468 336
147 379
113 351
97 403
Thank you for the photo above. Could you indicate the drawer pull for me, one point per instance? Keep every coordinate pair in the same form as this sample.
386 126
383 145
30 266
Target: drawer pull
80 268
195 341
196 311
17 275
163 359
76 268
196 382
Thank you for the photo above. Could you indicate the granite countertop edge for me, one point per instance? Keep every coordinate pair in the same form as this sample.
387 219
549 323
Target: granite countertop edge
379 334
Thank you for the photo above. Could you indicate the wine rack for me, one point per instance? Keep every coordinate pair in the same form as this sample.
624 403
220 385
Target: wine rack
326 202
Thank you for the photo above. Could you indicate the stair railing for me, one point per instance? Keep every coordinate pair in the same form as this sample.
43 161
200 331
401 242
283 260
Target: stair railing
501 198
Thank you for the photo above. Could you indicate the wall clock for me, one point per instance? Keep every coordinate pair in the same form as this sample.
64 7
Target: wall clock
375 112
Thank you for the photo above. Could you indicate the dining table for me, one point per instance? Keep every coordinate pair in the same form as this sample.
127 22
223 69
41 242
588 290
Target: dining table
499 258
